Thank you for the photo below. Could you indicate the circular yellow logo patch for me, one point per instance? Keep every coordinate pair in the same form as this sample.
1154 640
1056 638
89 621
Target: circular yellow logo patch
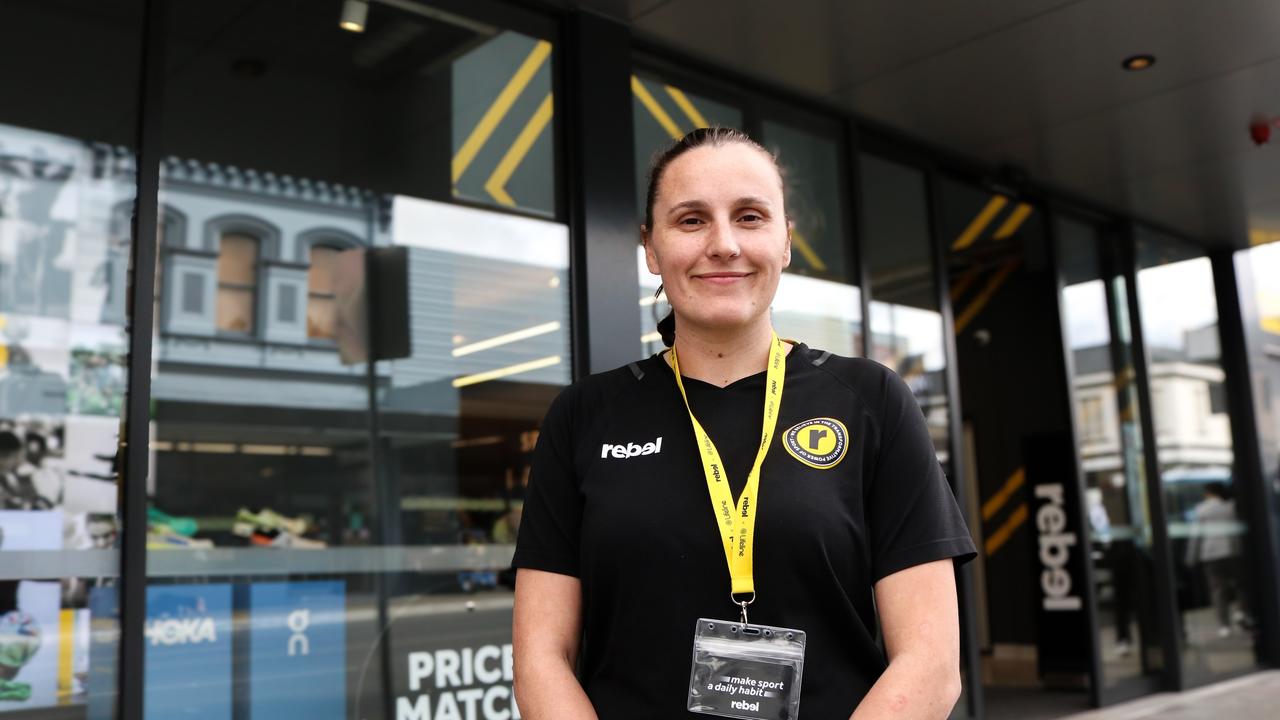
819 443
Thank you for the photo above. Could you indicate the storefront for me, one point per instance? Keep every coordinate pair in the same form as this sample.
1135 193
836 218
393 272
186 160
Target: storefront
282 305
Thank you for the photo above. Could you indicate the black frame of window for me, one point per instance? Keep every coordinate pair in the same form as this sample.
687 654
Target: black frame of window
595 196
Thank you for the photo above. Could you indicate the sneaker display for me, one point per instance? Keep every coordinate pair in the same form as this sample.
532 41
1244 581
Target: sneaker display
19 642
270 519
14 691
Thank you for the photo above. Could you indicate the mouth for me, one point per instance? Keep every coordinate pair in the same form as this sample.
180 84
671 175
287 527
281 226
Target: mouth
722 278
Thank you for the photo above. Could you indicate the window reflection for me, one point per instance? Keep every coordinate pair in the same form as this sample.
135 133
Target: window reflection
362 323
1258 272
237 283
67 185
905 325
1194 446
321 308
1109 445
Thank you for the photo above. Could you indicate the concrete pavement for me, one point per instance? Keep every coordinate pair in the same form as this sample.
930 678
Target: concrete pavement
1252 697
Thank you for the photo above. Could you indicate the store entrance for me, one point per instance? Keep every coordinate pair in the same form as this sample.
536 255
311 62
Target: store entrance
1032 591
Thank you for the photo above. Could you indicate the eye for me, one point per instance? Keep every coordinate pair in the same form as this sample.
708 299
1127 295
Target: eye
690 221
751 216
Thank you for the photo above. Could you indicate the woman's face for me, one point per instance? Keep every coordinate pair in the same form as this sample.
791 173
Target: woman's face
719 238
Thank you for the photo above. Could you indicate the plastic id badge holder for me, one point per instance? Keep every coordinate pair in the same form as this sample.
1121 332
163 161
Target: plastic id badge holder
746 671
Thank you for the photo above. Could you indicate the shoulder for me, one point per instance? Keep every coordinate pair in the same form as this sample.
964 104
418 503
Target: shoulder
598 392
871 382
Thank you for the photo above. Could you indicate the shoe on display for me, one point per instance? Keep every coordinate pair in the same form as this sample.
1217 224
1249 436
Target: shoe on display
180 525
19 642
268 518
289 540
14 691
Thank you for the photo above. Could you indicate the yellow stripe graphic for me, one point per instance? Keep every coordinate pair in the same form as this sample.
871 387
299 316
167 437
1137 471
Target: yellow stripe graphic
811 257
980 223
998 538
655 109
980 302
501 105
496 184
687 107
997 501
1014 221
66 653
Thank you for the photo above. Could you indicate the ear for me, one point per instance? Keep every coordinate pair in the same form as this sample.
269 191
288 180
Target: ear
650 257
786 248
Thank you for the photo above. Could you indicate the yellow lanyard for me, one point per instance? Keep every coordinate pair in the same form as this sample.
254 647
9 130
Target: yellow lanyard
737 522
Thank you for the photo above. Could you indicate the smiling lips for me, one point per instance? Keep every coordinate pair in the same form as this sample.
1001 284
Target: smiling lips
721 278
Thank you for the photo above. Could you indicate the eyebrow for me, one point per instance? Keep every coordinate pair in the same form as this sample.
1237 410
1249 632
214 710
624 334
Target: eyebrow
758 200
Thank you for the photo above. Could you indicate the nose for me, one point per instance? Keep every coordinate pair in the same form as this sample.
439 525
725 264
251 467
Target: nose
721 242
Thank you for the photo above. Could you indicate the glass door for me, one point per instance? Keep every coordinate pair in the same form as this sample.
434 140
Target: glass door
1215 629
1108 421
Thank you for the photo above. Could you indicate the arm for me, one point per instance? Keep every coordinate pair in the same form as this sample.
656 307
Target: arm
546 628
920 621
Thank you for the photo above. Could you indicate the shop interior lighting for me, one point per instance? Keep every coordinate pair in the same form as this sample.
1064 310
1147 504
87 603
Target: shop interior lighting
651 337
511 337
516 369
354 15
1138 62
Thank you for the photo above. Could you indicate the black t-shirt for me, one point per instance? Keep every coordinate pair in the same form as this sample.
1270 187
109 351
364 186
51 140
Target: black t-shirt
617 498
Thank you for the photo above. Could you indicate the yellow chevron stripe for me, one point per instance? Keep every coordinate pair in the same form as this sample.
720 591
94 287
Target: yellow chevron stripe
687 107
501 105
496 184
1271 324
980 302
655 109
997 501
799 242
998 538
980 223
1013 222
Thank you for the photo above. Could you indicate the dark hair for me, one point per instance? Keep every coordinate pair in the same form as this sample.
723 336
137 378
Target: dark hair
1218 489
701 137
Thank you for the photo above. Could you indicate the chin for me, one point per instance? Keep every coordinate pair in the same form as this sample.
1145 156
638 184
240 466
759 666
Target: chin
727 320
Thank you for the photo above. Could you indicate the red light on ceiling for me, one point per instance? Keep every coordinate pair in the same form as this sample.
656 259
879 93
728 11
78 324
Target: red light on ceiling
1138 62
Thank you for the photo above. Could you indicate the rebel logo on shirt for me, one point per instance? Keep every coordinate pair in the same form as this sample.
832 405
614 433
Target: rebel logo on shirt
630 450
819 442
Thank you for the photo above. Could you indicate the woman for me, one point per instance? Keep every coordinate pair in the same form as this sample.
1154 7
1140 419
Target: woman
618 552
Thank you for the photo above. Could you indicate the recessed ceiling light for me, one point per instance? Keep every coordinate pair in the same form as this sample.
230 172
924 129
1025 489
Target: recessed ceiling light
354 15
1138 62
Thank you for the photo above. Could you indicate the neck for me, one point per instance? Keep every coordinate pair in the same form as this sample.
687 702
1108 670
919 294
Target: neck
721 357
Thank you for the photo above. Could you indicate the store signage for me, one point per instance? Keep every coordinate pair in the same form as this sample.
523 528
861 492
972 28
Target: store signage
450 659
1055 550
1064 638
188 652
297 630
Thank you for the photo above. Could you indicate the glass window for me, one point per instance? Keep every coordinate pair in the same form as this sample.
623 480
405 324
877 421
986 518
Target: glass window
818 300
904 329
1110 451
1258 274
349 489
237 282
321 307
1207 533
502 106
663 112
905 324
67 165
